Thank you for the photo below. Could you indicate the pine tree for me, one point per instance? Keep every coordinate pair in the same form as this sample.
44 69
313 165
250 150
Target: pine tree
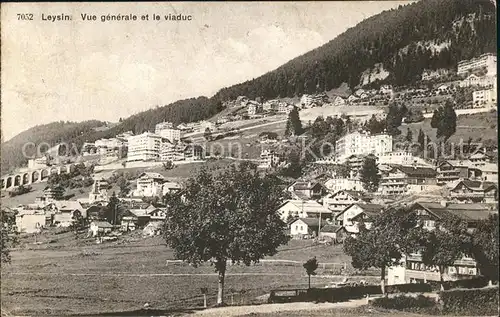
421 139
447 126
436 117
293 124
409 135
369 175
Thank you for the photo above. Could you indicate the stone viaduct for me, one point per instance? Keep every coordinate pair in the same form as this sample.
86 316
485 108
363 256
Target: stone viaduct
33 176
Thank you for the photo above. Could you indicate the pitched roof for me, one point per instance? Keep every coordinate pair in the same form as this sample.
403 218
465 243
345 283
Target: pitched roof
102 224
152 175
331 228
310 222
467 212
309 206
68 205
415 171
300 185
475 185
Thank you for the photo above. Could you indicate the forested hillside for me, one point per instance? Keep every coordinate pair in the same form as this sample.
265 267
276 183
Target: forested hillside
428 34
403 40
188 110
52 133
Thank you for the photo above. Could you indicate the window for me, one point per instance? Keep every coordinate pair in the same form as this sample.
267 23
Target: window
301 228
296 227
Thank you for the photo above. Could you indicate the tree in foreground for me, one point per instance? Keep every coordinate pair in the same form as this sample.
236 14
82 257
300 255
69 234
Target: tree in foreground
311 265
446 244
369 175
293 124
392 234
485 247
226 215
8 236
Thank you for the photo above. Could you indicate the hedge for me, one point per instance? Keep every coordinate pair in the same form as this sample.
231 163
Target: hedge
477 302
475 282
347 292
403 302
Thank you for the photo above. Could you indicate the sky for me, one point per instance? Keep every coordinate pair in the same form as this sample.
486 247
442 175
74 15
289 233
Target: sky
79 70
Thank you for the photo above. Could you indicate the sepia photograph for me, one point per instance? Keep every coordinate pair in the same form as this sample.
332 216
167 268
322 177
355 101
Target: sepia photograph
269 159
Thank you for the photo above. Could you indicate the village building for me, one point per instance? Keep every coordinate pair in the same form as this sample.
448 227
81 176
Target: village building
99 228
305 227
486 61
194 152
468 191
50 194
339 201
31 220
303 209
167 131
144 147
338 101
269 158
357 143
401 158
352 99
99 192
254 107
339 183
413 270
351 216
284 107
64 212
149 185
434 74
486 98
306 190
403 180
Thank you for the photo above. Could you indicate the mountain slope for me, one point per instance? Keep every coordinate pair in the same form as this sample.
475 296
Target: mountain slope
467 28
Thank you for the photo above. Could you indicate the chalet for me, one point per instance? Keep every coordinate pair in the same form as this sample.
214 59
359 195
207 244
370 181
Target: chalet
408 179
331 231
64 212
98 228
50 194
352 99
413 270
270 105
194 152
475 192
386 89
306 190
95 212
339 201
338 183
254 107
31 221
303 209
454 170
488 171
149 185
305 227
359 92
338 101
430 214
171 187
350 217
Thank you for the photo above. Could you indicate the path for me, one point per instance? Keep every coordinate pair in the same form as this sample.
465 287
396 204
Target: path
270 308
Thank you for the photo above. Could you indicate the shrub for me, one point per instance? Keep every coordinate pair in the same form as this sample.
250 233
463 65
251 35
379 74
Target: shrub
403 302
476 302
408 288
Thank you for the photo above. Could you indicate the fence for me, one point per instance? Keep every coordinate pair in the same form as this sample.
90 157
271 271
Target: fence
324 266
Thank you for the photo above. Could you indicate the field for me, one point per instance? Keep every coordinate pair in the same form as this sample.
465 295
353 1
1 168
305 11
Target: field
67 276
479 125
